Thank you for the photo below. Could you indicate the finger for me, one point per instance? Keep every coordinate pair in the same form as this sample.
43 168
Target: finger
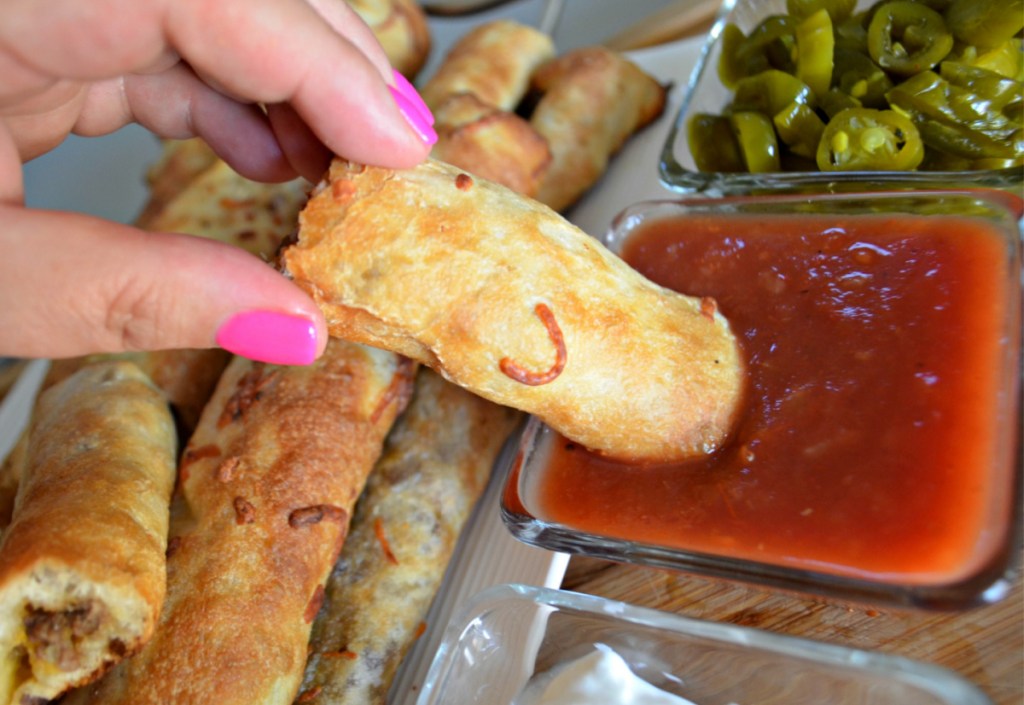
81 285
323 74
239 133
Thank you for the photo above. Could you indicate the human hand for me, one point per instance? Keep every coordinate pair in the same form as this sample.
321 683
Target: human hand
72 284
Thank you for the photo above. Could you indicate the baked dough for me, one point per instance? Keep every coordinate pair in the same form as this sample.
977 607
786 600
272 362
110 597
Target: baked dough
402 30
506 298
491 143
82 567
592 100
494 62
267 485
436 463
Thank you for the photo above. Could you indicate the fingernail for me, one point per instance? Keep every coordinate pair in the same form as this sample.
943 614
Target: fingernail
413 117
409 91
269 336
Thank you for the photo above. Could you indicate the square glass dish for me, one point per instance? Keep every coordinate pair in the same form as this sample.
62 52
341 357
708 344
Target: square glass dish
509 634
707 95
876 456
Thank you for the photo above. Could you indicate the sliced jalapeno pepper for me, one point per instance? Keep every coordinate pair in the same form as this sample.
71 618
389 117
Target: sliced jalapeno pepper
713 144
731 67
856 75
769 92
933 98
757 141
907 37
800 128
961 141
998 91
814 47
773 42
836 101
863 139
838 10
985 23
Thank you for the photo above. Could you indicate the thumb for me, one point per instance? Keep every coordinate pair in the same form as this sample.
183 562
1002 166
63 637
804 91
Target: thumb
72 285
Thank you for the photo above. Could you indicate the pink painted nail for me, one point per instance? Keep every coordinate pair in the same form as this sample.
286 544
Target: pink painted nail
269 336
412 116
409 91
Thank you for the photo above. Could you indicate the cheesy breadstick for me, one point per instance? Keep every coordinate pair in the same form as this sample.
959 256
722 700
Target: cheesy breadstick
435 466
506 298
82 567
267 485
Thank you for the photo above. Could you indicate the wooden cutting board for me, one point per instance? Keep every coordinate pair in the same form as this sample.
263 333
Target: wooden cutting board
984 645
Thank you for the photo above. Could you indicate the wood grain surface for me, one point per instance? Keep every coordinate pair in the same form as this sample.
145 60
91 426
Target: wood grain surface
984 645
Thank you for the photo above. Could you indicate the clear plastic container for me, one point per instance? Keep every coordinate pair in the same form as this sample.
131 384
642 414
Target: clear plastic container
508 633
705 93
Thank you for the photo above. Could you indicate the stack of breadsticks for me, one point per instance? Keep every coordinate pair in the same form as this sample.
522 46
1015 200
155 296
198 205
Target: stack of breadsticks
190 528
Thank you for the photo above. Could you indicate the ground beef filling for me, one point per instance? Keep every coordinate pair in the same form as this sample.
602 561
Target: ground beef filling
55 637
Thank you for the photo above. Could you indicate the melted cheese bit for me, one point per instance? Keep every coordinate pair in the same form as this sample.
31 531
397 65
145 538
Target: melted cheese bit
601 677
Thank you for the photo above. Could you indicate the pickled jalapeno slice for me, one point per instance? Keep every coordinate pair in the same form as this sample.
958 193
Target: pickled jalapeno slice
864 139
907 37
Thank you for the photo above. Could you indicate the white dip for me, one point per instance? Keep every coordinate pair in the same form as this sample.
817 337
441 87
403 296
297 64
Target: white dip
601 677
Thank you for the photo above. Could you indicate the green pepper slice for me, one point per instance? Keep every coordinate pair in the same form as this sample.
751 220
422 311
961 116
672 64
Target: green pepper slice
756 138
814 48
863 139
772 42
731 68
769 92
713 144
800 128
907 37
998 91
838 10
836 101
960 141
856 75
985 23
933 98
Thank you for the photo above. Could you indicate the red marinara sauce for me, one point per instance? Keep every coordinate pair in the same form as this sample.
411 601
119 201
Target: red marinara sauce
868 447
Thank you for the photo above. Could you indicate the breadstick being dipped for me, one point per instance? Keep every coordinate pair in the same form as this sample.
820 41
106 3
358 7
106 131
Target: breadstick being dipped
436 463
82 566
267 485
506 298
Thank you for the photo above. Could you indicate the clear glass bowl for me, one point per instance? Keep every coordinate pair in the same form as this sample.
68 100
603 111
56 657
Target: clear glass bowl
508 633
893 572
706 94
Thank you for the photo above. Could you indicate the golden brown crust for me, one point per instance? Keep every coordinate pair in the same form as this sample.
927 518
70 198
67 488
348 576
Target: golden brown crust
82 568
436 464
402 30
450 273
266 488
490 143
593 100
180 161
494 62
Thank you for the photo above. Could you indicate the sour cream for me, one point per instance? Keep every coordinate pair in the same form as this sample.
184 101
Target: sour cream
601 677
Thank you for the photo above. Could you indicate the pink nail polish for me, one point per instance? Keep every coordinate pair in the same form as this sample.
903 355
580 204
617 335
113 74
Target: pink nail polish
413 117
269 336
409 91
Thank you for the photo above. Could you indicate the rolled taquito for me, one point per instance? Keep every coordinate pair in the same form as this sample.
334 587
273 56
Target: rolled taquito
435 466
490 143
402 30
494 62
506 298
267 485
592 100
82 566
